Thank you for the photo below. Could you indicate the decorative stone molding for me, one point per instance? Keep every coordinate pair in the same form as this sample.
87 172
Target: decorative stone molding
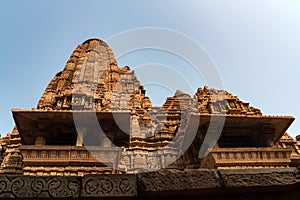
49 153
33 187
109 185
59 160
164 184
234 158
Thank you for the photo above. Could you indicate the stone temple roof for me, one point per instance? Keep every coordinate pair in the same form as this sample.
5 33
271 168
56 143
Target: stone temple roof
214 101
91 63
92 80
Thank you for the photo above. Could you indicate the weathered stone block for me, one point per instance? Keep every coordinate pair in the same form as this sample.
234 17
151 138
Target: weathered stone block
259 177
171 180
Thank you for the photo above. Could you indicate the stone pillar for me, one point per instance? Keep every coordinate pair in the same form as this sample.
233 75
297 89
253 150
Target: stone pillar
40 140
81 132
266 136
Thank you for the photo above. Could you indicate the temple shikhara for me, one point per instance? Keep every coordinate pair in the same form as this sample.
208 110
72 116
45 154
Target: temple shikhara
95 134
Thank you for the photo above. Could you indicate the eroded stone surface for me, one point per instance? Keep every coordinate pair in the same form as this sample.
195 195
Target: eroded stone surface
259 177
166 180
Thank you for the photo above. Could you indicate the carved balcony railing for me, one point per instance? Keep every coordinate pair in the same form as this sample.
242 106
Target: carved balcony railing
69 160
234 158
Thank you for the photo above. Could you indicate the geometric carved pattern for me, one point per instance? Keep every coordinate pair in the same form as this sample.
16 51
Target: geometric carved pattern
109 185
33 187
68 187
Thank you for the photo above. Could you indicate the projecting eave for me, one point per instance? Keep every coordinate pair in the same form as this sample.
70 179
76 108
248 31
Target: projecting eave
279 123
65 122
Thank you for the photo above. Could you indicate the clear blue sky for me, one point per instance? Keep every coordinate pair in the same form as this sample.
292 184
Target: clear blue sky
255 45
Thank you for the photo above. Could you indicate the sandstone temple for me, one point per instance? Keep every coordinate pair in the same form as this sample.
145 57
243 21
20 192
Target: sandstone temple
95 134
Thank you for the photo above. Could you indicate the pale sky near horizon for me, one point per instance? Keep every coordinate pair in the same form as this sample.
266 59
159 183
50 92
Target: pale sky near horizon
255 45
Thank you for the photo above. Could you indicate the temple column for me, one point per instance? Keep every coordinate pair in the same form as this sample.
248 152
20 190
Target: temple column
81 132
